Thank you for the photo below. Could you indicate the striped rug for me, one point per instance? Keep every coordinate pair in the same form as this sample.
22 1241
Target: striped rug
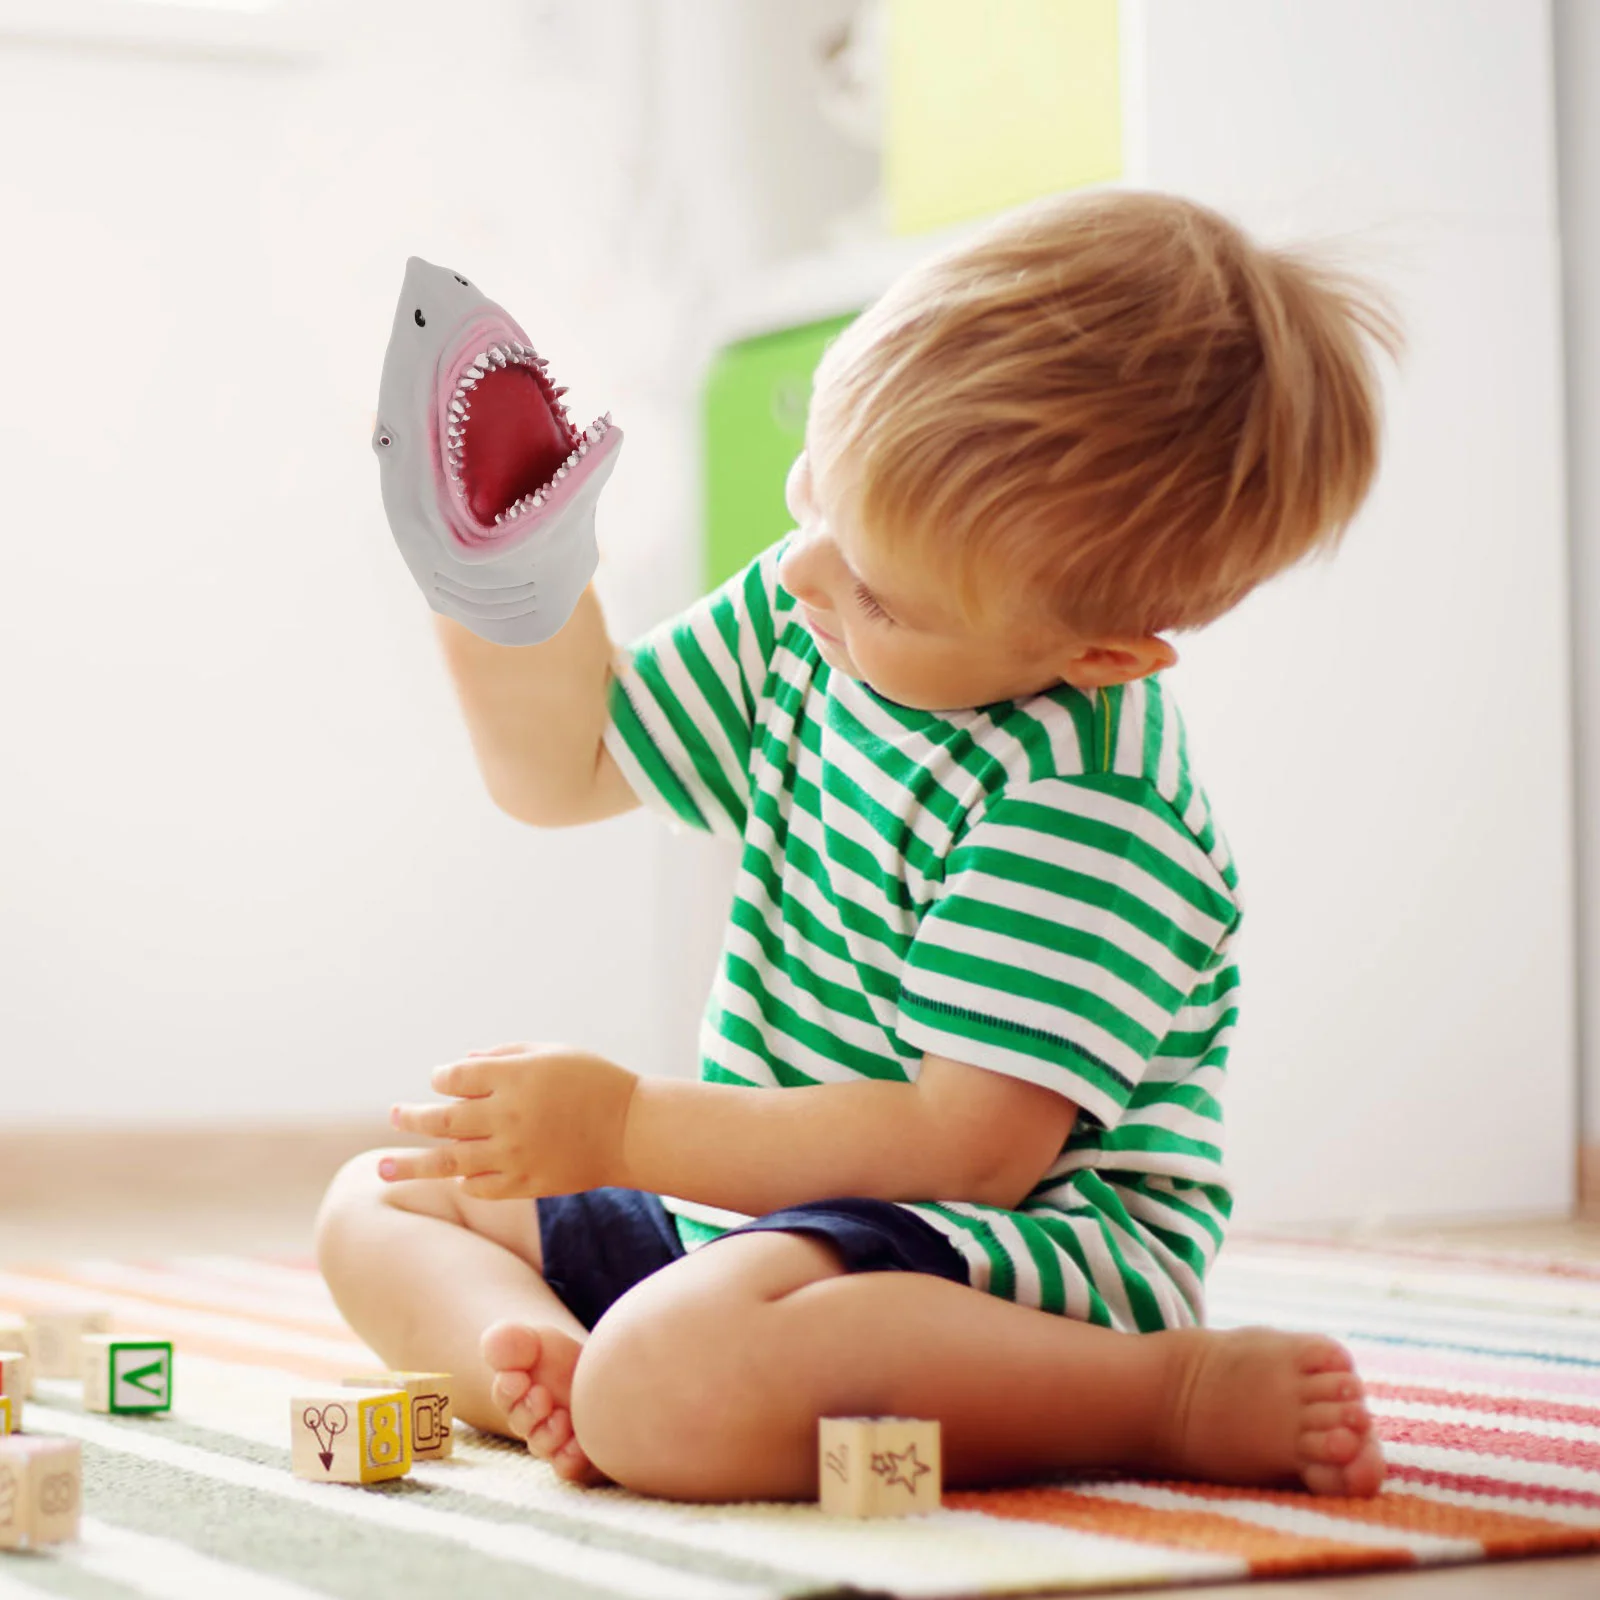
1485 1376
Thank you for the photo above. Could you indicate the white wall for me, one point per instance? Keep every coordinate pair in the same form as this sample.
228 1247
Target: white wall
246 864
745 172
1387 737
1577 30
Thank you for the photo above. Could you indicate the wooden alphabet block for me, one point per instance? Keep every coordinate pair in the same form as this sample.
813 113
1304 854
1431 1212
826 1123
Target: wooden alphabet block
16 1378
126 1375
10 1415
41 1491
343 1436
878 1466
55 1340
431 1412
14 1336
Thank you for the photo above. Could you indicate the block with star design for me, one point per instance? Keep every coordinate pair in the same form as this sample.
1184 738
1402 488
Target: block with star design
55 1340
126 1375
41 1491
348 1436
431 1414
878 1466
16 1380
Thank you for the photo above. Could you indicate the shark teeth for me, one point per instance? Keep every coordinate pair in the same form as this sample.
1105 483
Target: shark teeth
535 500
497 357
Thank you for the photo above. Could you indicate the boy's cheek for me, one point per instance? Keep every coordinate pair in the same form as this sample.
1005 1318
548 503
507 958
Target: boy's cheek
838 657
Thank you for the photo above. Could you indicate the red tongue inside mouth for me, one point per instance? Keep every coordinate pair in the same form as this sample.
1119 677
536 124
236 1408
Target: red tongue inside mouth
514 442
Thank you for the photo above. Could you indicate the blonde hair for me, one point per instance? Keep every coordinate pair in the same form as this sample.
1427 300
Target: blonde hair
1114 403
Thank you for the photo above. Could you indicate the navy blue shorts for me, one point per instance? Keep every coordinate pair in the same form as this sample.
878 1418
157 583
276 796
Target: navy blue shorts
599 1243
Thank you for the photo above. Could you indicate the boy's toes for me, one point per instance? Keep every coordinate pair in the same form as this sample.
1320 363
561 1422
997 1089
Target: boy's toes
530 1413
1320 1387
1362 1475
1326 1355
511 1345
1336 1447
553 1434
507 1388
532 1385
1349 1415
1366 1473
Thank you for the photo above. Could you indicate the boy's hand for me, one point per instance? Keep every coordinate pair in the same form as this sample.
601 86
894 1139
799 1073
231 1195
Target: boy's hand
528 1120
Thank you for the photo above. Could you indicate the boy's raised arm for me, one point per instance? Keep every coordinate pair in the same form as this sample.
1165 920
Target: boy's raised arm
537 715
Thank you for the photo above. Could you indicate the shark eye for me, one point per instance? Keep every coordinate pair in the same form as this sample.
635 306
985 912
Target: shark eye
421 321
384 441
462 281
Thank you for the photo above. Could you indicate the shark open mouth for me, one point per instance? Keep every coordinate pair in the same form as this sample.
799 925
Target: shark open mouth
504 436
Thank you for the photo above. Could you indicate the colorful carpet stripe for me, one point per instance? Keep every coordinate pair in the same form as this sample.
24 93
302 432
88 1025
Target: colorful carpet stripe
1484 1375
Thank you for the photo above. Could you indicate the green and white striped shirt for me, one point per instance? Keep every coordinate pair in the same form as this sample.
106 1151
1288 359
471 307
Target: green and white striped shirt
1034 887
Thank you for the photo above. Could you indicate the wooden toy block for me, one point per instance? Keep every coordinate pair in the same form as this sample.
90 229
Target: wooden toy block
16 1377
878 1466
14 1336
431 1411
344 1436
10 1415
55 1340
41 1491
126 1375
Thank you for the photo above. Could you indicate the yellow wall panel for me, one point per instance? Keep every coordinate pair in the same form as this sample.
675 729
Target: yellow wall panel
995 103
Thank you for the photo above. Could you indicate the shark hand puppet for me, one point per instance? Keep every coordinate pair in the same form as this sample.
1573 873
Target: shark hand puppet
489 489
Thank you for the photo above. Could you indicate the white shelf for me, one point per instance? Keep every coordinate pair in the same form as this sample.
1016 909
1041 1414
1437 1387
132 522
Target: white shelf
828 283
274 30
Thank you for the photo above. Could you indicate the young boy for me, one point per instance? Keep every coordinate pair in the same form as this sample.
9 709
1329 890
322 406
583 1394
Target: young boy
962 1061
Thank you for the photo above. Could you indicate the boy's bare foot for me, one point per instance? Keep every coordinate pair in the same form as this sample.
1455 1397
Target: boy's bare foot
532 1385
1256 1406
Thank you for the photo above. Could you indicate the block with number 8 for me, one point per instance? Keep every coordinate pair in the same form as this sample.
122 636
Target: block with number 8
431 1412
347 1436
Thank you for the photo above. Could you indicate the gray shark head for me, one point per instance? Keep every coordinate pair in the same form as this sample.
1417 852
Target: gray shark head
489 489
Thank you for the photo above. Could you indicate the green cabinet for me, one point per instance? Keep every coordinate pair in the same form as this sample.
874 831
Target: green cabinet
756 397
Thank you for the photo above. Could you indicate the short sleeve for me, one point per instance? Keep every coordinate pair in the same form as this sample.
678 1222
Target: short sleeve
683 707
1076 917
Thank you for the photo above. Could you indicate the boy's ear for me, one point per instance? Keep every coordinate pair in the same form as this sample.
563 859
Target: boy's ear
1108 662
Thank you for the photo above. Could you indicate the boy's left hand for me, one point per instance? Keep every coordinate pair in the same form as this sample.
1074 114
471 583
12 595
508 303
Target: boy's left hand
527 1120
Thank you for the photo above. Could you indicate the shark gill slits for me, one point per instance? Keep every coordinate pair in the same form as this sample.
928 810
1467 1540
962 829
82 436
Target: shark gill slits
417 316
